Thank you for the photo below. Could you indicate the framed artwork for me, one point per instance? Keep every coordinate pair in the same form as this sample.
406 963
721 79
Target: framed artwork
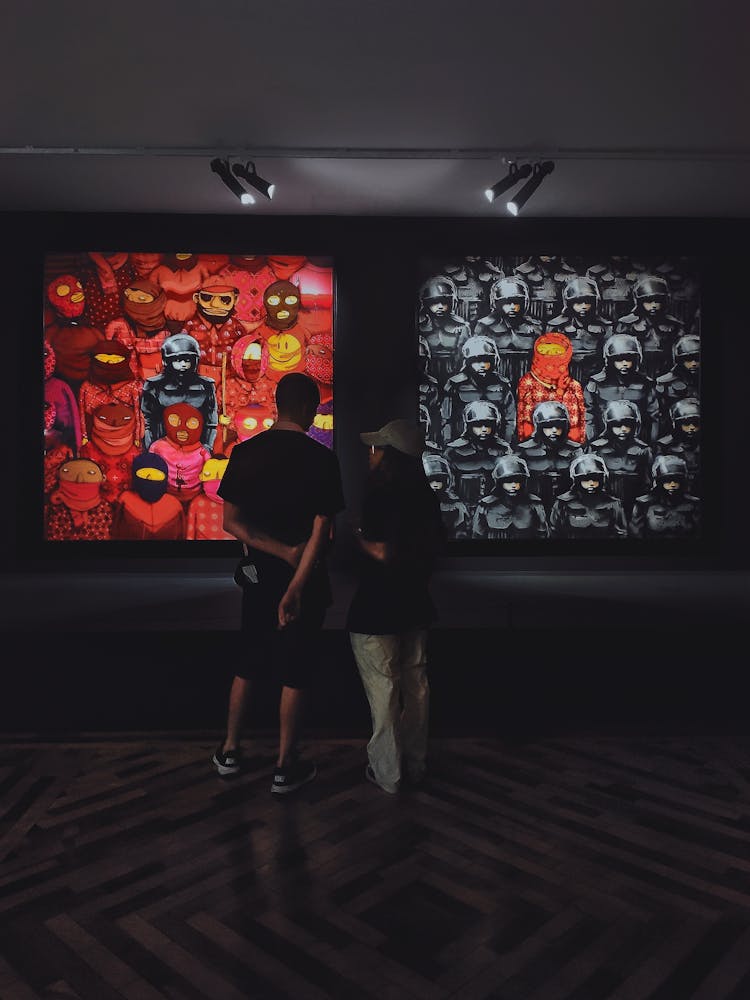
156 365
561 397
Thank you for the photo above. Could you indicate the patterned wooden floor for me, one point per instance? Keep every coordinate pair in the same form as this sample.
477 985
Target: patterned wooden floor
574 867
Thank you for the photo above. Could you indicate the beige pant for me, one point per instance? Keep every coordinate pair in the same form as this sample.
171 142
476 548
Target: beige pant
393 669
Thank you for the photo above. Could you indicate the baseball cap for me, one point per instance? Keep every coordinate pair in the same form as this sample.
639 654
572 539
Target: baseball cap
403 435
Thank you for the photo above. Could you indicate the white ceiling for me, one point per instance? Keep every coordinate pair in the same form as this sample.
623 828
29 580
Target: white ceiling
642 106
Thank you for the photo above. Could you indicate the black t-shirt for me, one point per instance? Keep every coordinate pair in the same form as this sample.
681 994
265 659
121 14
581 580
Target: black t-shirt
281 480
394 596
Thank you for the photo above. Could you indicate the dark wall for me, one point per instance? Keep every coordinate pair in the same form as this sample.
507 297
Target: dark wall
376 262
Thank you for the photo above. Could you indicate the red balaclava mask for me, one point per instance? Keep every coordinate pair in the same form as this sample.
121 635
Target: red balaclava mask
552 354
143 303
183 424
319 358
113 428
110 363
281 302
66 296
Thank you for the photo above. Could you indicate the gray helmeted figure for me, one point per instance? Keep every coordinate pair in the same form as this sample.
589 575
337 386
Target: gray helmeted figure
441 326
587 509
510 326
479 378
683 378
549 451
627 457
656 329
684 439
455 513
582 322
509 510
471 276
472 456
621 378
668 510
179 382
431 447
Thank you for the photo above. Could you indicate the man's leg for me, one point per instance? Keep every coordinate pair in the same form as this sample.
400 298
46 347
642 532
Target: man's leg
377 659
291 708
239 698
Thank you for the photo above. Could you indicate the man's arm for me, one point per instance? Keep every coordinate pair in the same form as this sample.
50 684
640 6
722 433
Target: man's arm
289 606
233 523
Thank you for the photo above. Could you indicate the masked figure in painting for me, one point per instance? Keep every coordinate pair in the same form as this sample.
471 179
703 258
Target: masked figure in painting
441 326
621 378
682 381
627 457
112 447
454 512
182 450
479 378
283 331
70 336
587 509
509 510
581 321
549 451
650 321
685 440
141 327
146 512
216 329
206 511
110 380
179 382
668 510
511 327
549 378
472 456
76 510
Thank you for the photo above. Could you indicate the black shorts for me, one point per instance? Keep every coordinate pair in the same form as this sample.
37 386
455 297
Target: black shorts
292 653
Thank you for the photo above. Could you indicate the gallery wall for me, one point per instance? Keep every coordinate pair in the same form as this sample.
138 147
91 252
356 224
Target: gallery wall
377 265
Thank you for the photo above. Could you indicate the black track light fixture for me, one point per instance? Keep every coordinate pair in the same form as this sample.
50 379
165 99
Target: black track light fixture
538 174
514 175
248 173
222 168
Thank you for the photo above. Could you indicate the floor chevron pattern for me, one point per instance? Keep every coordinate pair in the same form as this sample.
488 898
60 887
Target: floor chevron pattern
574 867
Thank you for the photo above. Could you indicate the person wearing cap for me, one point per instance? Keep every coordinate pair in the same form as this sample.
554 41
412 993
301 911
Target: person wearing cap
399 536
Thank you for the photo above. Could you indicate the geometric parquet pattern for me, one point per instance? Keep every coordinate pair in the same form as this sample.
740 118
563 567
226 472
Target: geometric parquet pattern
575 867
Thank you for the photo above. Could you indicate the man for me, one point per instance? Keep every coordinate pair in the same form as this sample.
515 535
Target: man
281 491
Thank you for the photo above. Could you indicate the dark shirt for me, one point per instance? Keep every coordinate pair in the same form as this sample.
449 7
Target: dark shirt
393 596
281 480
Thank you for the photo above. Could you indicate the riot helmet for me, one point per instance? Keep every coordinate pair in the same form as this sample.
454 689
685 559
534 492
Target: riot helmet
439 288
623 345
650 286
481 412
181 346
618 411
437 469
580 287
480 347
687 346
510 467
508 289
588 467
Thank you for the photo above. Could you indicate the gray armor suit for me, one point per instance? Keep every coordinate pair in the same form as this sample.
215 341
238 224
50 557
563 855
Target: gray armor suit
682 380
684 441
549 451
472 456
455 514
510 326
650 322
587 510
470 385
667 510
582 323
628 459
545 277
621 378
441 326
510 511
179 382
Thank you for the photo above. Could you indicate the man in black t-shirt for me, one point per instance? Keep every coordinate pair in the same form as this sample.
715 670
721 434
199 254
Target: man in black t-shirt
281 492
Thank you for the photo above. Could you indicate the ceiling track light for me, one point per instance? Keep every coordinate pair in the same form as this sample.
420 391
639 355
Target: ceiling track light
538 174
514 175
248 173
222 168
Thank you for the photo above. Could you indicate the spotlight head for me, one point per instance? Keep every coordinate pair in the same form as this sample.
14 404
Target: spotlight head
514 175
248 173
221 167
539 172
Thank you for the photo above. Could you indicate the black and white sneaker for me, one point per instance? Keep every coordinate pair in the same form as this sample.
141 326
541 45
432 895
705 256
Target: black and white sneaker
227 764
289 779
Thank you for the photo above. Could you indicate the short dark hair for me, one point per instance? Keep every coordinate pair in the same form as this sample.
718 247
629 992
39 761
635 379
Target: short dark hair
296 393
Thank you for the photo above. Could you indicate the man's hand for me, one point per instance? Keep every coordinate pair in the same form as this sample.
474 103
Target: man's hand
289 606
